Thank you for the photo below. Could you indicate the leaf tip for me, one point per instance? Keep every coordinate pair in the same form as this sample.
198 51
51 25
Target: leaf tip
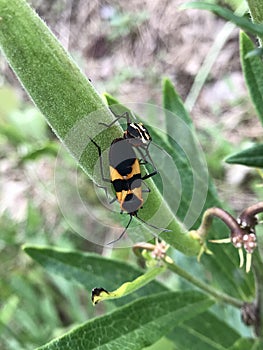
166 83
228 160
26 247
98 294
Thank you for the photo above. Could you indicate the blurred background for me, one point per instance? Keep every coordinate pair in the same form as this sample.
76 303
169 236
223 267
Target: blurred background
125 48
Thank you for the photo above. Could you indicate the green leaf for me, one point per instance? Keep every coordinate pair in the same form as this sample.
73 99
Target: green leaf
161 344
136 325
252 67
172 102
91 270
174 107
252 156
204 331
187 155
256 13
247 344
100 294
241 22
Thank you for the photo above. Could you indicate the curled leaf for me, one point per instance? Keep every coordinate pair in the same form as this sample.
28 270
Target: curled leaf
100 294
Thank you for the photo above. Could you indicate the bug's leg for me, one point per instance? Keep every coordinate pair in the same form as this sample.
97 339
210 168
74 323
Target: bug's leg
118 117
153 226
147 176
113 200
110 201
142 160
144 157
101 169
101 165
147 189
122 234
105 189
123 115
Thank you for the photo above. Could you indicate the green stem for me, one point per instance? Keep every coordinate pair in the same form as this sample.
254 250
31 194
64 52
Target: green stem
205 287
208 216
256 11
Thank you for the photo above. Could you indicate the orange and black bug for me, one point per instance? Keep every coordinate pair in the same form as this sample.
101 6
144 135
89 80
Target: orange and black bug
126 178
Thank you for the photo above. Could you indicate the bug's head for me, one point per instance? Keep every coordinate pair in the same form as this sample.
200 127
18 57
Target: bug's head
137 134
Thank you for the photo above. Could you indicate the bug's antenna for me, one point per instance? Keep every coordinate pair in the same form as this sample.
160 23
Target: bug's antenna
150 225
146 223
116 240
